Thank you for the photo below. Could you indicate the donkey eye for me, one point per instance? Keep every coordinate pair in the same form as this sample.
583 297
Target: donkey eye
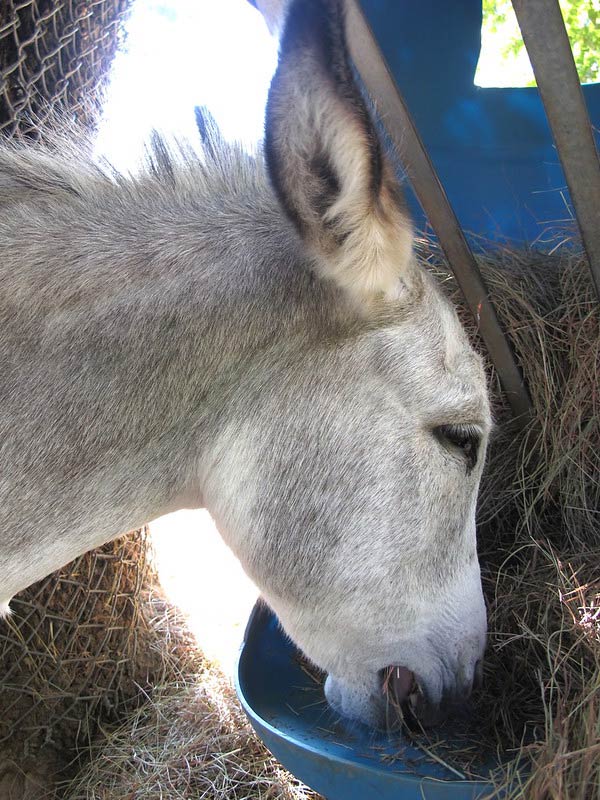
465 438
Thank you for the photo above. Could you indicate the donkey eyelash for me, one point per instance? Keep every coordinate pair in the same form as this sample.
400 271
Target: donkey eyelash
464 438
460 429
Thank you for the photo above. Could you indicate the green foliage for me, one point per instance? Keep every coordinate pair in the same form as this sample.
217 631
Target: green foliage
582 21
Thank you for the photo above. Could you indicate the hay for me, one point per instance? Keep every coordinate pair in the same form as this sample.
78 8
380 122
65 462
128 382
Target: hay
191 739
109 697
74 655
190 742
539 531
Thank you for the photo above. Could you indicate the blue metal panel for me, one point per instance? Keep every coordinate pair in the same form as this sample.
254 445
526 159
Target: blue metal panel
492 148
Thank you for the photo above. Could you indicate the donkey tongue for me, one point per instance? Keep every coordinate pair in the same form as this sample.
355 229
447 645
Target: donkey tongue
399 683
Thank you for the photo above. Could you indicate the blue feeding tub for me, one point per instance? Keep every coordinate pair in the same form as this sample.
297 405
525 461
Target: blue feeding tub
339 759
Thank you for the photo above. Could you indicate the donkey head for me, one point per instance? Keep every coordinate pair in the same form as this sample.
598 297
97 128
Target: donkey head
349 490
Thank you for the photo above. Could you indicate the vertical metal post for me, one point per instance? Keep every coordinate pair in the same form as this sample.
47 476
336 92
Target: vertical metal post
550 53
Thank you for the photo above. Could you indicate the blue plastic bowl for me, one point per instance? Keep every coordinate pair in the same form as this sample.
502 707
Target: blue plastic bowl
339 759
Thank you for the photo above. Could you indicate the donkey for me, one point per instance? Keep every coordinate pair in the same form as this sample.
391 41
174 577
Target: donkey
253 336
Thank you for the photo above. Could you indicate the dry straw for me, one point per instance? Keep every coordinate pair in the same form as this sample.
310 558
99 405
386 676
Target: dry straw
189 740
73 656
539 531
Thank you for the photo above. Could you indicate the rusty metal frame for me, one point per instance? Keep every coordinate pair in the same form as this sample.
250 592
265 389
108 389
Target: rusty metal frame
400 127
549 49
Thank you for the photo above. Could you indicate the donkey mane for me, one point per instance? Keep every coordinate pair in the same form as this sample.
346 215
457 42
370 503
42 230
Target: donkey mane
187 208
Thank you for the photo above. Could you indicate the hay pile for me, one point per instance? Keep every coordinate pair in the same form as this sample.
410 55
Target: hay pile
74 655
539 530
105 695
191 739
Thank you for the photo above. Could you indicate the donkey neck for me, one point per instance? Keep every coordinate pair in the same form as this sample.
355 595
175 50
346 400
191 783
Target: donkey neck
131 311
126 342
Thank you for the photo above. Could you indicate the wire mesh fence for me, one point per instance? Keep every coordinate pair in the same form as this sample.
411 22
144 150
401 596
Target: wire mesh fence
54 55
78 644
73 656
79 651
71 641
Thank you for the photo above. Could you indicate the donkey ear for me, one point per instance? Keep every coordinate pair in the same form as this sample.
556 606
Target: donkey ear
326 161
273 12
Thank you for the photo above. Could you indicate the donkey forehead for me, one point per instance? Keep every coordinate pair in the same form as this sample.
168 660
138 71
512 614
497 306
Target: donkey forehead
426 356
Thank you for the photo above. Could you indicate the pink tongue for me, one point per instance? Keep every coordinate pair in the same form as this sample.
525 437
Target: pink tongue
399 682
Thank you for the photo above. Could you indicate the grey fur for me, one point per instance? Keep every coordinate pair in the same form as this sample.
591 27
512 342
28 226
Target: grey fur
169 340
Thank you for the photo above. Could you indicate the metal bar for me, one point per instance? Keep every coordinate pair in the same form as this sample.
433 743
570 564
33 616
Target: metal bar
430 193
550 53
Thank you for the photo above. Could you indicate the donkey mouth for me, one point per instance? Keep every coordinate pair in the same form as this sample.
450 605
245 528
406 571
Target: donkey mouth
398 684
405 702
